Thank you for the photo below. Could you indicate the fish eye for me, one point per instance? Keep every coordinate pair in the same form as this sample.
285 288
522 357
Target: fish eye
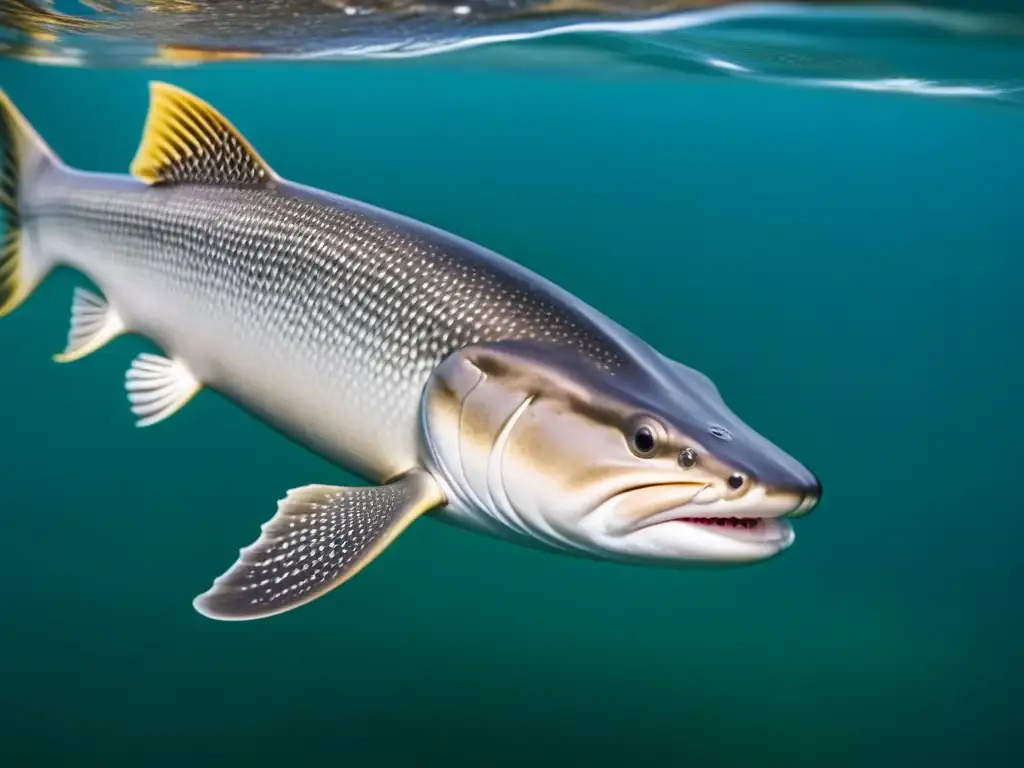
687 458
644 442
645 436
735 481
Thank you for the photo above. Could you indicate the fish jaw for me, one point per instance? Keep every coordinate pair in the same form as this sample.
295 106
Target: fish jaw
679 524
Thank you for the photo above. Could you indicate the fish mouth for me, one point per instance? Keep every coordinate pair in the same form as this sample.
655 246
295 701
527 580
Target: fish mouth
753 530
699 506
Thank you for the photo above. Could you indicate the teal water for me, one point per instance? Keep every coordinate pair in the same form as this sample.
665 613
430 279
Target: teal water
845 265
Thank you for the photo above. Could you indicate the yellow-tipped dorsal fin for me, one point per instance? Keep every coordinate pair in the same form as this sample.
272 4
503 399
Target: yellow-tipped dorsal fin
186 141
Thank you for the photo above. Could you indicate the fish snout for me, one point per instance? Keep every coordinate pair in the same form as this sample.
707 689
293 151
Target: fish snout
792 481
806 486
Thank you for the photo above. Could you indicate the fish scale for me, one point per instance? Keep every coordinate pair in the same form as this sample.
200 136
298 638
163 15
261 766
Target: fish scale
355 304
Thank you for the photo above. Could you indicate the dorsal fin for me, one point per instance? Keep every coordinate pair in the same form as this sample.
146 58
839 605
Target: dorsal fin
186 141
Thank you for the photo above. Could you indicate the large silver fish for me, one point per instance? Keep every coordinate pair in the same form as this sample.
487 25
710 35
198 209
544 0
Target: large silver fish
459 383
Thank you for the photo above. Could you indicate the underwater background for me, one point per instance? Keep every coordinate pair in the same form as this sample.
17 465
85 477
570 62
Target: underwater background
845 265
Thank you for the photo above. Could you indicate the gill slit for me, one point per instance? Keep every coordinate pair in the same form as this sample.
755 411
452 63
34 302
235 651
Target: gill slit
500 503
540 530
461 484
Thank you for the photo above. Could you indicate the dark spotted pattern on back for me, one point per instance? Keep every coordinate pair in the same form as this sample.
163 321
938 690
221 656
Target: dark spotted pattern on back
388 301
323 318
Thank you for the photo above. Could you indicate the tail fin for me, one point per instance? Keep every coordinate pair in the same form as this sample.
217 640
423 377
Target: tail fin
24 157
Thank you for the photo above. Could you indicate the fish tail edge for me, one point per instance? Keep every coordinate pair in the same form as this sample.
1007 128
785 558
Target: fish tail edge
24 159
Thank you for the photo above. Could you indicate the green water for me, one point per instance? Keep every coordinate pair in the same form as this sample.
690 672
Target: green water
846 266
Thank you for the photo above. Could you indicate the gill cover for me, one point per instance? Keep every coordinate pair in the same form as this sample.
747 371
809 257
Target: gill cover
526 441
469 411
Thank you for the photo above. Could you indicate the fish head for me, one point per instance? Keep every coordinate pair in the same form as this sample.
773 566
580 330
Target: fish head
641 463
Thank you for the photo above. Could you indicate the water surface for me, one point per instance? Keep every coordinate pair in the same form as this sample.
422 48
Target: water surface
941 48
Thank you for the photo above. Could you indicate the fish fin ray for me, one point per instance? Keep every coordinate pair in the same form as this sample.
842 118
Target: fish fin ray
158 388
187 141
93 324
321 536
24 156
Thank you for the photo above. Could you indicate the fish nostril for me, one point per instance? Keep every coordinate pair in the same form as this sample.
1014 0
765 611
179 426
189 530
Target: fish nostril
735 481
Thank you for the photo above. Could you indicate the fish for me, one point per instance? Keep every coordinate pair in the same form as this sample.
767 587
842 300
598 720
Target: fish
458 384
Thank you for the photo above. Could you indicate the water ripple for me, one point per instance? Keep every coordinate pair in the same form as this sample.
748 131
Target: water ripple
928 51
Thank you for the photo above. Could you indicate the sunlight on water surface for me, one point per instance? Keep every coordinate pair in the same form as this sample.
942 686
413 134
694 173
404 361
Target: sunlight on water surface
971 52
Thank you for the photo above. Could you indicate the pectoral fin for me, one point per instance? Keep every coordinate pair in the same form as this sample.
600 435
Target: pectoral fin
321 536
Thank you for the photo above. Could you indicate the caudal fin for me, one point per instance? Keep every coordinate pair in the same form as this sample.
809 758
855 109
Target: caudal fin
24 159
